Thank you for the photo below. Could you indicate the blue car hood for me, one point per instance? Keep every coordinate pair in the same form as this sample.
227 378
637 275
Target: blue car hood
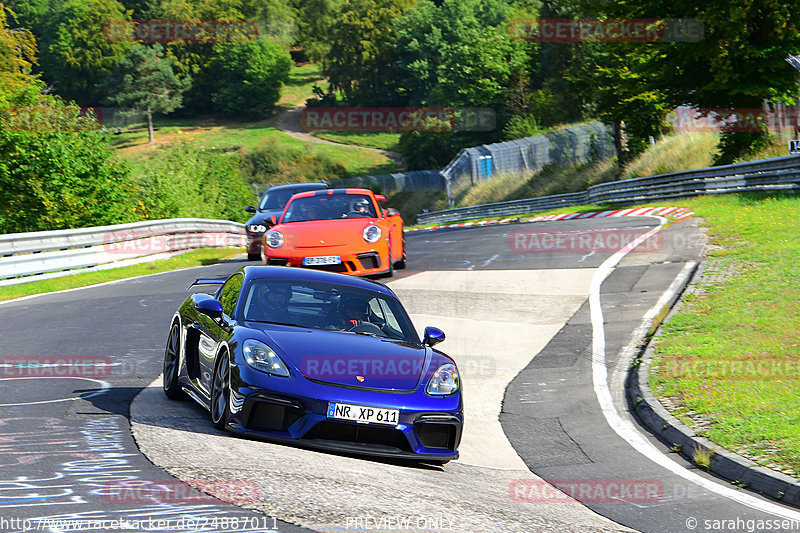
262 217
349 359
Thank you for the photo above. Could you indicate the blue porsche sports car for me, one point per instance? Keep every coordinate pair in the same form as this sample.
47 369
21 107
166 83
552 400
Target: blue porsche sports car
317 358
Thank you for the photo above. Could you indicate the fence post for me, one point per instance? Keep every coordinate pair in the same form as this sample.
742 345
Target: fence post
450 202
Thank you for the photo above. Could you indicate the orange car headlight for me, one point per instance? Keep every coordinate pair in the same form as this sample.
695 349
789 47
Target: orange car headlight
372 233
274 239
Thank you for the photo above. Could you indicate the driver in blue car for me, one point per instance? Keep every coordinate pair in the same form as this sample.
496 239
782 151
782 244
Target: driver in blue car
272 303
351 311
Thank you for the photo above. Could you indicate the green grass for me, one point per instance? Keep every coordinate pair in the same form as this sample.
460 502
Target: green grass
226 134
552 179
729 362
382 140
236 136
204 256
301 83
675 152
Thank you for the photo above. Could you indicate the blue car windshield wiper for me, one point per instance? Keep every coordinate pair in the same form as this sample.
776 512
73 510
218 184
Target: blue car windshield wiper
365 333
279 323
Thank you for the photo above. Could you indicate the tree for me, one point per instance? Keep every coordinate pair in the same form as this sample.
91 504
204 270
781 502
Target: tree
78 55
361 50
738 63
17 59
144 80
314 19
249 76
614 78
56 171
194 59
455 55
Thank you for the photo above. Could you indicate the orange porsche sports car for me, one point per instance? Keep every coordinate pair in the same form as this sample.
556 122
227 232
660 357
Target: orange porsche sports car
339 230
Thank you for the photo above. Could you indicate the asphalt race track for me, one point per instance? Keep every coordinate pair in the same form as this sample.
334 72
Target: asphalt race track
537 336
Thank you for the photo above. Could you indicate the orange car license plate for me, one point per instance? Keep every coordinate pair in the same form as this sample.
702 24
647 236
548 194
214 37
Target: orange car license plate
322 260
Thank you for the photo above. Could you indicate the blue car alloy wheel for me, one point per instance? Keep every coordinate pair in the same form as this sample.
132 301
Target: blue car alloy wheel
318 359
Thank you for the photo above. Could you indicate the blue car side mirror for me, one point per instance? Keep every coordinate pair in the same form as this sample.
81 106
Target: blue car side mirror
433 336
210 307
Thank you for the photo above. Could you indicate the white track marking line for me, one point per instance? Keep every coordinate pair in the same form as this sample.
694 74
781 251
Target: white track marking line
103 384
625 428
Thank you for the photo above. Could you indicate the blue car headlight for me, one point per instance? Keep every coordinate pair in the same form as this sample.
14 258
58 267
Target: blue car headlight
261 357
444 381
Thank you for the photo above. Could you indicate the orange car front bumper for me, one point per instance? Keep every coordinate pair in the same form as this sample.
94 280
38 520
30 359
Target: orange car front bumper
357 263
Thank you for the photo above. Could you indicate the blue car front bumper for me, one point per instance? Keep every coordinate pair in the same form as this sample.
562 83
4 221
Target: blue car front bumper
428 428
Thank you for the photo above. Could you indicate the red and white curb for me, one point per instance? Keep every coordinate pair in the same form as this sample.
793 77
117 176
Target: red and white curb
679 213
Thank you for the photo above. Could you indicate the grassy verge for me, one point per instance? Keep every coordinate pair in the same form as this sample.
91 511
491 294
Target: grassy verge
226 134
674 153
204 256
728 364
381 140
242 136
552 179
301 84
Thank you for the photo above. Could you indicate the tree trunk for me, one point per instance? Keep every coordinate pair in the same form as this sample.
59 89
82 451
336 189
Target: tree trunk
149 125
620 147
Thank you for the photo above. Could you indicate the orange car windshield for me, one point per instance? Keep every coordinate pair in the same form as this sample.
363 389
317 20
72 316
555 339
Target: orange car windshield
329 207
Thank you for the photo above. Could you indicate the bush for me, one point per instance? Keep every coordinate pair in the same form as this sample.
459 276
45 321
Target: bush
193 183
425 150
273 163
519 127
57 171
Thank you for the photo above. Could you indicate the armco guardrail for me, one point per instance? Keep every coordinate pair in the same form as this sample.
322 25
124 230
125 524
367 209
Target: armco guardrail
514 207
778 174
40 253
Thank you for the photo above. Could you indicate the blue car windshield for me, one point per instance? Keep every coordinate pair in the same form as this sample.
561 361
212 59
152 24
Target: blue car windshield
322 305
275 200
329 207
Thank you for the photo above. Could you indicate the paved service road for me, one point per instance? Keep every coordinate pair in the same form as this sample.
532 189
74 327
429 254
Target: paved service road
518 324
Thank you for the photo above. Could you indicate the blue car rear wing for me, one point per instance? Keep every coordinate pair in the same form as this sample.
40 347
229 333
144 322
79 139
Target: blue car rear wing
208 281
